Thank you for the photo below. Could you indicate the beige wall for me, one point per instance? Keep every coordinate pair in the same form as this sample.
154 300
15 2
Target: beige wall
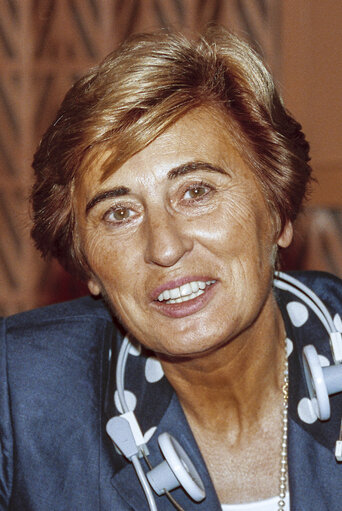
311 81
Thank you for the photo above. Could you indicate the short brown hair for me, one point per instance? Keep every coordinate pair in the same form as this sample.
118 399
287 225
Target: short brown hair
135 94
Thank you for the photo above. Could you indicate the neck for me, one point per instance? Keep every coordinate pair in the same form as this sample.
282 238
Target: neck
243 377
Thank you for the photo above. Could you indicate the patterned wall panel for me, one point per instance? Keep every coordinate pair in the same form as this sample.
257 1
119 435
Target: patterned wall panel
44 46
15 247
257 20
68 36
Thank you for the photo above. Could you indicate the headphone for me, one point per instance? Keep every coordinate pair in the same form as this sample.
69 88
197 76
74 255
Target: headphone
177 469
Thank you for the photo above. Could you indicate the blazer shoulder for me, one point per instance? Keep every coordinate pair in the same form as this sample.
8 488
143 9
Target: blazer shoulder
78 310
81 324
316 278
328 287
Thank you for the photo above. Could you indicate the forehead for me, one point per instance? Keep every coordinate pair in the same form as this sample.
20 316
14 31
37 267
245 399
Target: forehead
200 135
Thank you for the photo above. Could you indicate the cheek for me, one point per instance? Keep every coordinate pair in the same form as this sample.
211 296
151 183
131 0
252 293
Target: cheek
243 235
102 257
115 265
101 253
238 225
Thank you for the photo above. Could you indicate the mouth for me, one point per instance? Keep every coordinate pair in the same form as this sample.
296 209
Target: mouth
185 292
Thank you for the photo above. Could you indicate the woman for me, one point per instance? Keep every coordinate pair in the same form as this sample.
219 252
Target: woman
169 181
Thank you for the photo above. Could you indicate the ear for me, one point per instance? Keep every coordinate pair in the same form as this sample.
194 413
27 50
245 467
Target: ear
94 286
286 235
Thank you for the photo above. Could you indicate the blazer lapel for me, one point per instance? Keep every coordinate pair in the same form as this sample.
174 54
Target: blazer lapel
313 472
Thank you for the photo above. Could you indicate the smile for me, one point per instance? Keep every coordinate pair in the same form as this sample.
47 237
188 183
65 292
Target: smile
186 292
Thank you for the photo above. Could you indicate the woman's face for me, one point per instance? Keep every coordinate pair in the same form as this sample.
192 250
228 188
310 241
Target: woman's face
179 239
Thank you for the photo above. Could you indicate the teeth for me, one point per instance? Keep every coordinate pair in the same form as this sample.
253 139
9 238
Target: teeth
175 293
194 286
185 292
186 298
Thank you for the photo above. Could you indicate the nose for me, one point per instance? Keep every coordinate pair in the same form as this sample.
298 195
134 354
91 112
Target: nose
166 239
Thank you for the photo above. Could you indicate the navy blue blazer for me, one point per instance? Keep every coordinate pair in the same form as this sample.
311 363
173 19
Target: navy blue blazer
56 395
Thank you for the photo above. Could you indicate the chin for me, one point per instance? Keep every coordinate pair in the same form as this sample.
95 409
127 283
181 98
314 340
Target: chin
188 350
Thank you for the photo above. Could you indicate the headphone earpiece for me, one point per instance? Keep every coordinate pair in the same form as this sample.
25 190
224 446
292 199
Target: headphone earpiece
176 470
321 381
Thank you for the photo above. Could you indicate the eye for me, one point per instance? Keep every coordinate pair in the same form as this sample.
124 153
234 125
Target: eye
118 214
197 191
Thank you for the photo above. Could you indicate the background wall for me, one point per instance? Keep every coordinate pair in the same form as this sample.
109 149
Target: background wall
311 83
46 44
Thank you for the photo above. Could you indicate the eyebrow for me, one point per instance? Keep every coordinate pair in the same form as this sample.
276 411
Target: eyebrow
108 194
192 166
180 170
